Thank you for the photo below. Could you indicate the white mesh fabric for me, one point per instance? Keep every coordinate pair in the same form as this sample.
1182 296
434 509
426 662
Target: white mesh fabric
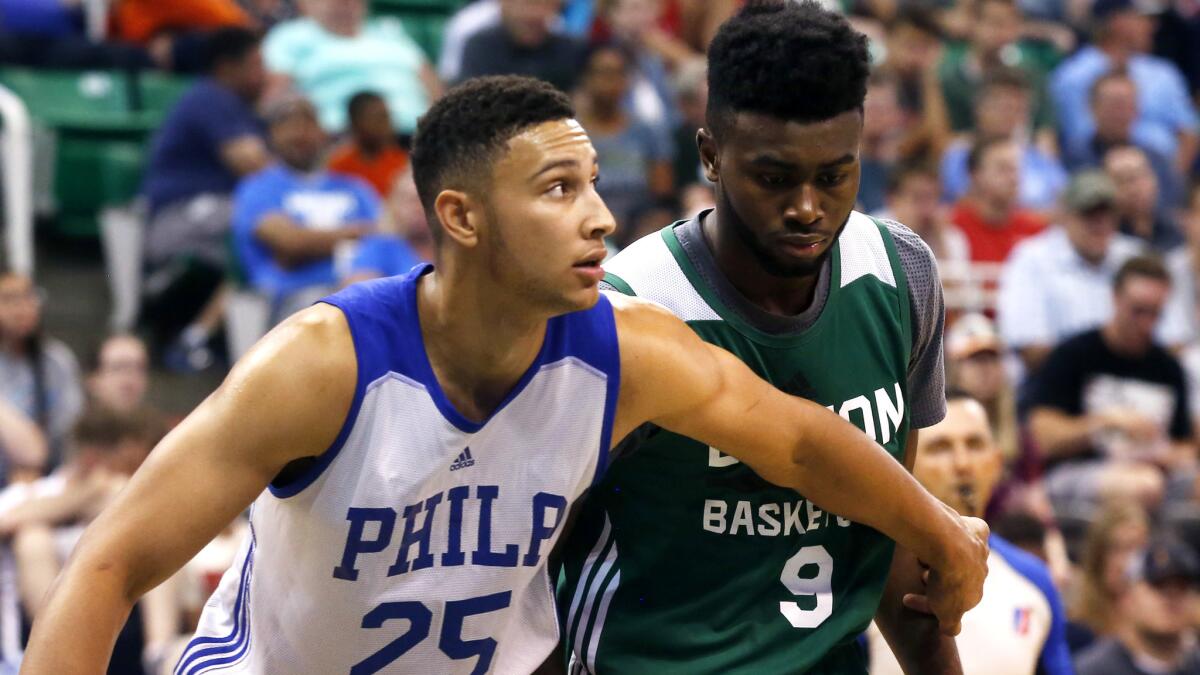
864 252
652 272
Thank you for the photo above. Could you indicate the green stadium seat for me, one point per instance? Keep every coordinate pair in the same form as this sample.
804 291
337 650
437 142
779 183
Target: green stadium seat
400 7
157 93
73 99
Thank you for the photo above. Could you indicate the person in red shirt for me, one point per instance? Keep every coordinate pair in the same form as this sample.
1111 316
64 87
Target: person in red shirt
371 152
990 215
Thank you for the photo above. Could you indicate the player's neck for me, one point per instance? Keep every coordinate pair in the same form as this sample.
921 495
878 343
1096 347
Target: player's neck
478 344
783 296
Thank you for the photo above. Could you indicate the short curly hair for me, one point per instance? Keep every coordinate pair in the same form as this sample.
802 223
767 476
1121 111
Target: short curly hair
465 131
794 61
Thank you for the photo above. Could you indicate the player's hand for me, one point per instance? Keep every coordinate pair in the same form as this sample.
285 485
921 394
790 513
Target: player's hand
955 586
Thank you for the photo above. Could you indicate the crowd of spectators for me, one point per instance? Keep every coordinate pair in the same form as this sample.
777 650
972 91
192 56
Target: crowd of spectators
1045 150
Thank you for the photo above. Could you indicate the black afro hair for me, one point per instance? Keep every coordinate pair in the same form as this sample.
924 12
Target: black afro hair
794 61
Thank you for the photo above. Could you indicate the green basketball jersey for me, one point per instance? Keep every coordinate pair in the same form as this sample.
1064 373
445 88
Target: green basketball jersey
682 559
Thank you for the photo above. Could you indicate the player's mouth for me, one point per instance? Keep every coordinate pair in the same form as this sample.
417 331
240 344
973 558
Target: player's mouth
589 268
802 244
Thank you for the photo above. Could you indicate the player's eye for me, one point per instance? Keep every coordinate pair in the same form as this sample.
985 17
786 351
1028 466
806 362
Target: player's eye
771 179
596 180
831 179
559 189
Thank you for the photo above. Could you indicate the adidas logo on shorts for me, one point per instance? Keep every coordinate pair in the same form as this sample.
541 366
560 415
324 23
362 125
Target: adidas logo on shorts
464 460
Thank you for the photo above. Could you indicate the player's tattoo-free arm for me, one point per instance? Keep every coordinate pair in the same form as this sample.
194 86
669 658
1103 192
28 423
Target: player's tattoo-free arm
914 637
285 400
672 378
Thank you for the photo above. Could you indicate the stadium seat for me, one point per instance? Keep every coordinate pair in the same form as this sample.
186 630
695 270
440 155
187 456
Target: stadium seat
423 20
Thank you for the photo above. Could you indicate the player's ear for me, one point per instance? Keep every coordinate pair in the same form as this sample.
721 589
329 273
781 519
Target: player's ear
454 212
708 154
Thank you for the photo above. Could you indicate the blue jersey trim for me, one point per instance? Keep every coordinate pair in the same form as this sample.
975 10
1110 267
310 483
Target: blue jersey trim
608 360
238 639
1055 658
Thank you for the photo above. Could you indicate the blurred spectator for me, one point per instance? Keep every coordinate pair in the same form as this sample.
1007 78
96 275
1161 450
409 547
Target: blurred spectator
691 99
1114 105
635 160
288 219
974 365
912 199
1181 321
1114 538
1059 282
22 443
335 52
50 34
119 374
1141 211
990 215
461 27
884 124
1156 634
1123 37
1019 626
267 13
522 43
404 216
912 51
175 32
1002 111
994 43
1109 408
371 152
39 375
46 518
209 139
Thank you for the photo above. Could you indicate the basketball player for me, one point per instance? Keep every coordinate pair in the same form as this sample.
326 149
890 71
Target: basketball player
420 438
821 301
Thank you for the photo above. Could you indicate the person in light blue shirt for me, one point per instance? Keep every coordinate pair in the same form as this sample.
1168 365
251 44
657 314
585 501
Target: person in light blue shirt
289 219
1167 120
335 52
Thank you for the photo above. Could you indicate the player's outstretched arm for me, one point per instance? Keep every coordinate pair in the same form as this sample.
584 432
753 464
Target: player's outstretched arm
672 378
285 400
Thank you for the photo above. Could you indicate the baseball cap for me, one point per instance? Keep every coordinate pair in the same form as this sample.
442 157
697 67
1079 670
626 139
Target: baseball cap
970 335
1163 560
1089 190
1102 9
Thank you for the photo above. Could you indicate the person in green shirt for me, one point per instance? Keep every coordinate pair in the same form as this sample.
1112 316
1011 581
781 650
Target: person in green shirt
682 558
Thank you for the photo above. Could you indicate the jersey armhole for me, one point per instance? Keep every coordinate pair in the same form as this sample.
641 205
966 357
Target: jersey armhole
309 474
618 284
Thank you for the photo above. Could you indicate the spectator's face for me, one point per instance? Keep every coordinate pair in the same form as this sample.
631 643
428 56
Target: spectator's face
1133 30
20 308
373 124
998 25
528 21
298 138
981 375
343 17
911 51
1160 610
1091 232
692 104
121 379
916 202
1001 111
1137 186
630 18
1137 306
542 223
1124 543
957 460
997 179
785 188
1114 108
882 116
251 78
606 79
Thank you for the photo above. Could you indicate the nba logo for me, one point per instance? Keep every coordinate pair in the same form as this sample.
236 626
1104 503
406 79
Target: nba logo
1021 619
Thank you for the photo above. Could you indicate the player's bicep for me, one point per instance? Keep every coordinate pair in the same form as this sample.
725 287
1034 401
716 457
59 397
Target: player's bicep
212 466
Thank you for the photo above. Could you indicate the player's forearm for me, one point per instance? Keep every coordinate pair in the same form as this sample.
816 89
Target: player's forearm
844 472
914 638
76 632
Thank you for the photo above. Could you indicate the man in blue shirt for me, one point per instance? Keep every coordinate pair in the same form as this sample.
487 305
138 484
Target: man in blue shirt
1167 117
209 140
290 219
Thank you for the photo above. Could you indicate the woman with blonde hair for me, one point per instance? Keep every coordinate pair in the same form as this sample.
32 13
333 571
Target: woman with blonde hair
1114 537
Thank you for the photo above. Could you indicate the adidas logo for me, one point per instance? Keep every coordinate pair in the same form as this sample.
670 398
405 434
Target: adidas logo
464 460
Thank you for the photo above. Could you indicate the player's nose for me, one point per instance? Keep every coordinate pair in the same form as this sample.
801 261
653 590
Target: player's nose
599 221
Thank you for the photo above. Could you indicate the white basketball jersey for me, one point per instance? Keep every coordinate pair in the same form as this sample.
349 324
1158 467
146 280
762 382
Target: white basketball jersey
417 543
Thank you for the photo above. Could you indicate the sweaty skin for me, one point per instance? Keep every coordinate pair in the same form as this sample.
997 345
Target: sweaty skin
506 264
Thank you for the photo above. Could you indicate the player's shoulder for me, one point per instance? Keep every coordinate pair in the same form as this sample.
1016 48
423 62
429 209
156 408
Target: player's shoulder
905 238
635 265
654 268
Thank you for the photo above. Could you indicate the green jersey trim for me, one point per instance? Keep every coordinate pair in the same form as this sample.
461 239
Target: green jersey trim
618 283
